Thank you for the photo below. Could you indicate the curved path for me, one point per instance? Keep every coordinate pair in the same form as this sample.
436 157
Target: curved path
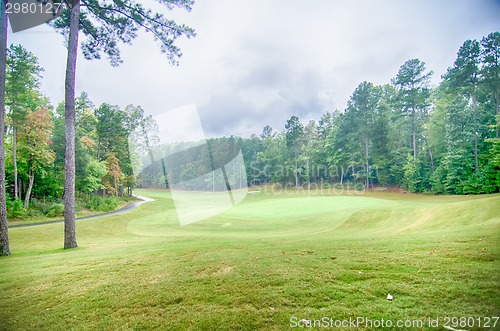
128 207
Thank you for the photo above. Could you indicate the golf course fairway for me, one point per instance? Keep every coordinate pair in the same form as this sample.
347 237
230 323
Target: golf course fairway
267 263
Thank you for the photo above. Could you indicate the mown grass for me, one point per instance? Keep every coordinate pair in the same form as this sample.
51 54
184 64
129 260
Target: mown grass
271 258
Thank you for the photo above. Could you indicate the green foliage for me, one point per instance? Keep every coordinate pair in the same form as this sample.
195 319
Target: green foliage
411 179
103 204
93 179
104 25
15 209
55 210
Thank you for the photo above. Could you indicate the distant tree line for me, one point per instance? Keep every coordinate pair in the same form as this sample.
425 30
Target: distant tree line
442 140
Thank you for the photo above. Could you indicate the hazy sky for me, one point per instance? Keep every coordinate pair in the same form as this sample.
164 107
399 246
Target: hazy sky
259 62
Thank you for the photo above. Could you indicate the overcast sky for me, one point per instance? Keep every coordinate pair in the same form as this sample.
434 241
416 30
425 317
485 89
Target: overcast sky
259 62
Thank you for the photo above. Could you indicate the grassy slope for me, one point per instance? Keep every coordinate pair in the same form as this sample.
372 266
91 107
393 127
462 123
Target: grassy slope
309 257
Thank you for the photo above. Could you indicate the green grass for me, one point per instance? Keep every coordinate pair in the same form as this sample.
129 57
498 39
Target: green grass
305 255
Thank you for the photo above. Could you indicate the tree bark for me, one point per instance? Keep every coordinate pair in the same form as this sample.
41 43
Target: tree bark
496 104
308 177
4 235
296 173
353 174
414 138
99 149
432 159
342 176
17 194
31 173
69 170
367 162
476 162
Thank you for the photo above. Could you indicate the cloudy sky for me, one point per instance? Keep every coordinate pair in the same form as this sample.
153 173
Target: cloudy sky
259 62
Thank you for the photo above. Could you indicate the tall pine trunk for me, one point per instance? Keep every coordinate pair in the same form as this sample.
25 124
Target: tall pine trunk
367 162
17 194
496 104
69 169
414 137
4 234
474 107
296 172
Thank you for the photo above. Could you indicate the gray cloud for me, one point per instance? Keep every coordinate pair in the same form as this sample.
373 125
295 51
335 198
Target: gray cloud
267 95
260 62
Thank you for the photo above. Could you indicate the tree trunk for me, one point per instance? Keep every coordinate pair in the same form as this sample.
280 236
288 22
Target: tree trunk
353 175
69 180
308 177
476 163
414 138
17 194
367 162
296 173
4 234
99 149
496 102
342 176
432 159
31 174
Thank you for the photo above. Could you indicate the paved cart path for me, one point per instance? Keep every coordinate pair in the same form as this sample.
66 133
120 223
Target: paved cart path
128 207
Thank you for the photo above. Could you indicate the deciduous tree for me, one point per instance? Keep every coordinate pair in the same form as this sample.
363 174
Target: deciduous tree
22 81
34 143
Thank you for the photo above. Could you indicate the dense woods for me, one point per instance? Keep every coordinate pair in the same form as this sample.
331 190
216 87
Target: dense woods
440 140
35 145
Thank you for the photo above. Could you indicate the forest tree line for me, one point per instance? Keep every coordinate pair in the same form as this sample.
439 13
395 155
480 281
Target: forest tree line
35 144
441 140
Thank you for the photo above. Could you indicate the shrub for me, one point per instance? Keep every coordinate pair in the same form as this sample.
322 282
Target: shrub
15 209
56 210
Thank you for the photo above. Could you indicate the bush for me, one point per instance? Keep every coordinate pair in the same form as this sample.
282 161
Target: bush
102 204
56 210
15 209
